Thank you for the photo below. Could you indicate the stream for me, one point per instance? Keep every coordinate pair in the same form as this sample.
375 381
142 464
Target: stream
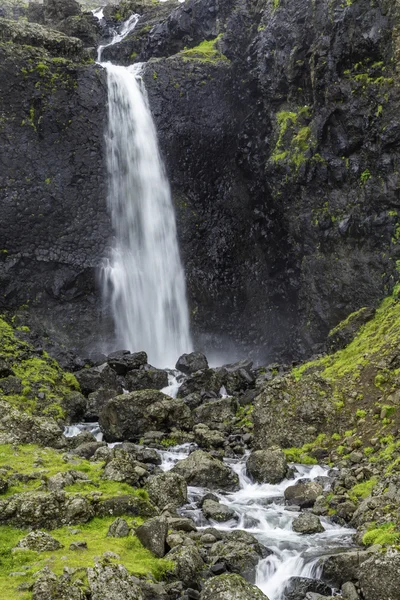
262 512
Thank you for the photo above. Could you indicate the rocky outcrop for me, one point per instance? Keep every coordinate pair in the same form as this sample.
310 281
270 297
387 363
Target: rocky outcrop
231 587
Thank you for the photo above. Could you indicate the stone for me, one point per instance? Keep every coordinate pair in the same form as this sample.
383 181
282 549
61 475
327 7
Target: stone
188 564
167 488
124 468
112 582
153 534
47 586
3 485
118 528
217 511
230 587
190 363
202 470
88 449
217 414
95 378
78 546
303 494
297 588
129 416
39 541
379 577
307 523
146 378
18 427
205 381
123 361
241 552
349 591
208 438
343 567
267 466
181 524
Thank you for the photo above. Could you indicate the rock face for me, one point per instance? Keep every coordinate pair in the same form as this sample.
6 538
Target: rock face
267 466
129 416
231 587
201 469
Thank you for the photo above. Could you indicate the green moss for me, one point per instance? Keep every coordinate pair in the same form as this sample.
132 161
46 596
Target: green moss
294 137
365 176
205 52
360 491
169 442
384 535
38 374
360 414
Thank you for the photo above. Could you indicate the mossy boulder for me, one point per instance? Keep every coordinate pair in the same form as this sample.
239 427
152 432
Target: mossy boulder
167 489
18 427
153 534
267 466
112 582
38 541
48 586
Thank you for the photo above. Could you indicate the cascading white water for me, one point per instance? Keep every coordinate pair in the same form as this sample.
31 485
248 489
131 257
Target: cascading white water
143 279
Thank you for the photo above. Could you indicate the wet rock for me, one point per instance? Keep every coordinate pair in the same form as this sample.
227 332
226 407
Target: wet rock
129 416
201 469
39 541
231 587
307 523
208 380
267 466
113 582
146 378
298 587
340 568
190 363
303 494
74 405
217 511
118 528
167 488
380 577
96 401
188 564
48 586
153 534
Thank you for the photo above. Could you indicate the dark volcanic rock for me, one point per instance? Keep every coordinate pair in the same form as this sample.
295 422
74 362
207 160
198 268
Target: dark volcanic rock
298 587
190 363
129 416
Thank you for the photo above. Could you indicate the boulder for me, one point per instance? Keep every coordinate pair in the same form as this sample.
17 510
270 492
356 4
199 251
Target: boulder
130 415
201 469
230 587
48 586
96 401
342 567
303 494
307 523
112 582
153 534
39 541
217 511
267 466
124 468
188 564
208 438
379 577
118 528
217 414
146 378
128 505
5 369
349 591
88 449
74 405
167 488
103 376
238 376
123 361
240 552
208 380
298 587
190 363
61 480
18 427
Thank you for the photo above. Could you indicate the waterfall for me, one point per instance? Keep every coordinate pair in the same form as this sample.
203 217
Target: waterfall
143 279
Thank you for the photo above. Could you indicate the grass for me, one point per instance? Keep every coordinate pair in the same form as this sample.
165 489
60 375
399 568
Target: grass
45 462
132 555
384 535
205 52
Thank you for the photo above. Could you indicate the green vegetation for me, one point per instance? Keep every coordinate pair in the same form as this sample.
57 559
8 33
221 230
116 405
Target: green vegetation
243 416
294 137
360 491
131 553
302 455
39 374
205 52
365 176
384 535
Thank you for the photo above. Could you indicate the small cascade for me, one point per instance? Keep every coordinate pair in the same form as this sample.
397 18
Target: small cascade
143 278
